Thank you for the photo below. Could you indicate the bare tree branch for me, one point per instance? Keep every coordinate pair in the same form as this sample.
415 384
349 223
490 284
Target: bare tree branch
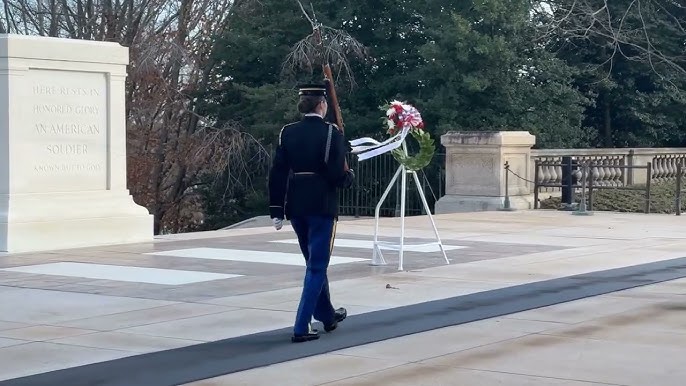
625 28
325 45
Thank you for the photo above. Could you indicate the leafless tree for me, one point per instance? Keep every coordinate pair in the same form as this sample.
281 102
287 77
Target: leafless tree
637 30
325 46
171 148
650 32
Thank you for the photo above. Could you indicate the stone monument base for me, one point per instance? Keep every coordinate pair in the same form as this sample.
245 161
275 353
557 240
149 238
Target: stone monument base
481 169
458 204
63 146
40 222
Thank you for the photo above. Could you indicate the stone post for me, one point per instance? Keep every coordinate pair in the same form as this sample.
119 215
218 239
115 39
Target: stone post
63 139
475 173
639 157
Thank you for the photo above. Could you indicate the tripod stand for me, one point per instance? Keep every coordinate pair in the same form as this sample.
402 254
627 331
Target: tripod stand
402 172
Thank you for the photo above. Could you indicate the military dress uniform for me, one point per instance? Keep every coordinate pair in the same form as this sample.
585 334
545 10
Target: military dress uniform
307 171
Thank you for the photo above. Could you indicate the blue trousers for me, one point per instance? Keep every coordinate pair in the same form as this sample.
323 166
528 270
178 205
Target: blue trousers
315 237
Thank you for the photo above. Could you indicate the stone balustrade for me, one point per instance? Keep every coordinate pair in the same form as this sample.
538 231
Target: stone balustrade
609 165
475 175
665 164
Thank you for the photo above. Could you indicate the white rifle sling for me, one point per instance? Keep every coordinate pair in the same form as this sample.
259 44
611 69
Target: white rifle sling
328 146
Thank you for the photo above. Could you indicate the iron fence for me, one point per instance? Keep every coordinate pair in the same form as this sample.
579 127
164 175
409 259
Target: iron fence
581 176
372 178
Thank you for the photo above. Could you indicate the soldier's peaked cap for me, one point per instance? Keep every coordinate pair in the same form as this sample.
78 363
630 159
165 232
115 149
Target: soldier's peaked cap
312 90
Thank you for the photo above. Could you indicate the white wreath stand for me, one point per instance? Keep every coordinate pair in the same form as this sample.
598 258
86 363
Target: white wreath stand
377 257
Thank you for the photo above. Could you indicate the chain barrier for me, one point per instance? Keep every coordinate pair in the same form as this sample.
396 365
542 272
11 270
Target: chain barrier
507 204
507 168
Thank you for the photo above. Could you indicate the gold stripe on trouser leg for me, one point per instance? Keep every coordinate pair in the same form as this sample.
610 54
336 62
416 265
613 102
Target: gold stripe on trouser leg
332 238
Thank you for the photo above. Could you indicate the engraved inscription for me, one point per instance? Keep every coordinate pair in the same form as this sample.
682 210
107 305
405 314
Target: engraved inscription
484 164
65 168
472 174
67 149
52 89
65 109
67 130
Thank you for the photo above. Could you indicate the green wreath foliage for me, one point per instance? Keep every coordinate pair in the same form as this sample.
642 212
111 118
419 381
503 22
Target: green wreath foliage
421 159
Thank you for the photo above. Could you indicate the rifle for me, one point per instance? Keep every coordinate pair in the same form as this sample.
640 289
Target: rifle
331 93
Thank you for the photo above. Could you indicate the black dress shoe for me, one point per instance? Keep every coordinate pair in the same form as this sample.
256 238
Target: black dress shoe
312 334
305 338
338 316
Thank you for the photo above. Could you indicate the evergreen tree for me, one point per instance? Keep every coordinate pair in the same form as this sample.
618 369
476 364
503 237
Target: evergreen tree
630 56
485 72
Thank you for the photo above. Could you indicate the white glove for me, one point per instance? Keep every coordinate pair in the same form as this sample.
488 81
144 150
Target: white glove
278 223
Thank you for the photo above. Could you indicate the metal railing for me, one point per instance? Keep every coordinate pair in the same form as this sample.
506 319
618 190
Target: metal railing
580 177
609 164
679 187
540 182
649 172
371 179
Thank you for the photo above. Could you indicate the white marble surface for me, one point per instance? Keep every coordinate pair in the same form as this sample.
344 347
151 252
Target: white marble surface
43 333
121 273
315 371
127 342
369 244
4 342
82 328
33 306
165 313
37 357
265 257
218 326
615 339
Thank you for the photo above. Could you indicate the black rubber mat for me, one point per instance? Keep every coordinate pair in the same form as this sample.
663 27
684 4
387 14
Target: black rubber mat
207 360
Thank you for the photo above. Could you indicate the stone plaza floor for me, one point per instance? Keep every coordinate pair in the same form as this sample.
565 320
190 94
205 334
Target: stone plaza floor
193 308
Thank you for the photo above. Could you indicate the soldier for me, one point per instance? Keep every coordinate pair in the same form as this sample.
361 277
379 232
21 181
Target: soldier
308 168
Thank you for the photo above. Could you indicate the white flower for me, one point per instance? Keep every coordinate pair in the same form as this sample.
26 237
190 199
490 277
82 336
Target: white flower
390 112
390 124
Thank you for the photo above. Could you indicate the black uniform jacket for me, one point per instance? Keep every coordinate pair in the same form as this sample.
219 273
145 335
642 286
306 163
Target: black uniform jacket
307 170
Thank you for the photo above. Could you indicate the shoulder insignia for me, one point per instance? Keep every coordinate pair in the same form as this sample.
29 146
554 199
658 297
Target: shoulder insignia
280 134
284 128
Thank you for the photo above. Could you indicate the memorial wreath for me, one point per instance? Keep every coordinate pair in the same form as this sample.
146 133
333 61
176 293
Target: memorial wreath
400 116
400 120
